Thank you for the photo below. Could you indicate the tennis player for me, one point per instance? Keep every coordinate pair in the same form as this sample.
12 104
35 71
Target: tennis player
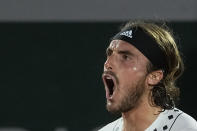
142 66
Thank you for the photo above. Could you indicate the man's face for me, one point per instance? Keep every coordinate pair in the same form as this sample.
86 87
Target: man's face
124 76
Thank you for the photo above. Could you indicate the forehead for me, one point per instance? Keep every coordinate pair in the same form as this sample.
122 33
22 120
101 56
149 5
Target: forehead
117 45
120 45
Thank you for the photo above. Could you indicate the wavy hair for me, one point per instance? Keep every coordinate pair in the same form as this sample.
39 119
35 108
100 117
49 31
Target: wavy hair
165 94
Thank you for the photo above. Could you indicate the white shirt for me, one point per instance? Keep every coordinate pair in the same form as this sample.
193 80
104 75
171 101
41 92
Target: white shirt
169 120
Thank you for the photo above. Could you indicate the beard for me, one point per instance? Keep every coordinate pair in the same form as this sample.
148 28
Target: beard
130 100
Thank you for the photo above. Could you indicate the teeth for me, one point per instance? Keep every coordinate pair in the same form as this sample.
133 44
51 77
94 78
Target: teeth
108 77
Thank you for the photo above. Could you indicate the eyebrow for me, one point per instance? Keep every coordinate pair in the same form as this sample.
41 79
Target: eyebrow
125 52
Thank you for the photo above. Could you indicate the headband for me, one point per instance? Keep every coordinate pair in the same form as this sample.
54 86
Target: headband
145 44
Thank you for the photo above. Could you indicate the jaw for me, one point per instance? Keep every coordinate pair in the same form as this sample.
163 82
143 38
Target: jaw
128 100
112 107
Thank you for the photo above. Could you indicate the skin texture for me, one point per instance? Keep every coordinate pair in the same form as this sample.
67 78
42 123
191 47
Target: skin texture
126 66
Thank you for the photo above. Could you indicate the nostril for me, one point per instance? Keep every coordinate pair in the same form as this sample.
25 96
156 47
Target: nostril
108 67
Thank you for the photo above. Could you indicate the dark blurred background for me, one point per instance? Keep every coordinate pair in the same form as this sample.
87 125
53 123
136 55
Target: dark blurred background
52 60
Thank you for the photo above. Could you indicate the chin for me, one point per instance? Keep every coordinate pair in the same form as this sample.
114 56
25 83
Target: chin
113 109
118 109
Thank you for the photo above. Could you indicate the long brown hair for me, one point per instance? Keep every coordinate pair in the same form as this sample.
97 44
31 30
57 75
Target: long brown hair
165 93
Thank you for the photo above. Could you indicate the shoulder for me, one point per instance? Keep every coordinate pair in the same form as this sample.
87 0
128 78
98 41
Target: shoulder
113 125
184 122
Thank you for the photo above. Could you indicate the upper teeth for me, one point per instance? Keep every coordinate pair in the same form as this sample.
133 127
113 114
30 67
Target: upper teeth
108 77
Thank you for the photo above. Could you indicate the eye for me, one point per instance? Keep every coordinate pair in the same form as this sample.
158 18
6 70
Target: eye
125 57
109 52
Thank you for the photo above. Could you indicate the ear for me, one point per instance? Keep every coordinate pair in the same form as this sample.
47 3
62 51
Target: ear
155 77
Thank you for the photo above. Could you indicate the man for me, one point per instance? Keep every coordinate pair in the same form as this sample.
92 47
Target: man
142 65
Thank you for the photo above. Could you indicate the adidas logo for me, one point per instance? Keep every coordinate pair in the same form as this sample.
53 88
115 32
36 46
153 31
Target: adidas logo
127 33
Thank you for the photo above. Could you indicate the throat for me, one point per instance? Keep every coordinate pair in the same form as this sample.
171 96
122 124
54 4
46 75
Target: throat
140 119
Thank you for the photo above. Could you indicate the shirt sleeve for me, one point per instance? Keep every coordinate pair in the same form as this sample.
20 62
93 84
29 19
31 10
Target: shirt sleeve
184 123
188 129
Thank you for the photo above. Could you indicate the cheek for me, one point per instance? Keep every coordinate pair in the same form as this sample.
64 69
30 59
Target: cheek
132 74
130 71
133 69
128 75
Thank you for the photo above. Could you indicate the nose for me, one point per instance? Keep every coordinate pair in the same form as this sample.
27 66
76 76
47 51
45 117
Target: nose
108 64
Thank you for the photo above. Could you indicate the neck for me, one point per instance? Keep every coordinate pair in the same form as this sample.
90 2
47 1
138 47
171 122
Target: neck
140 117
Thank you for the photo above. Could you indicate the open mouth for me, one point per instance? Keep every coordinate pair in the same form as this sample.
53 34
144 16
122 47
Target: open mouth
109 83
